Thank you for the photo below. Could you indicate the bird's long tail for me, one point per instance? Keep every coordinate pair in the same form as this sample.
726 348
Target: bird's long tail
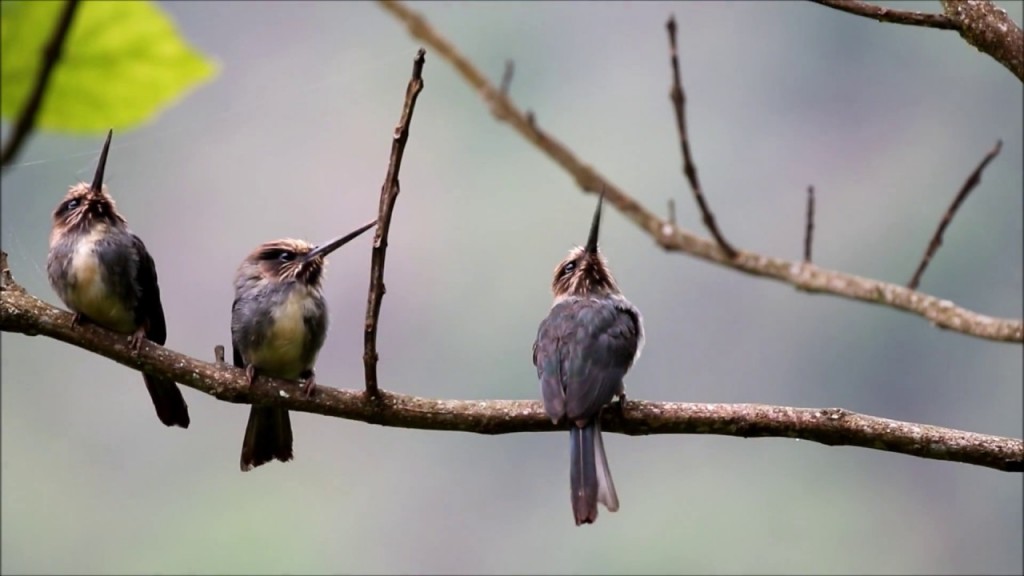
268 435
168 401
589 476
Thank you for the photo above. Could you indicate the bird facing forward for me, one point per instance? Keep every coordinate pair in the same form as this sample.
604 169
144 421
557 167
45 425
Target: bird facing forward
105 275
589 340
278 325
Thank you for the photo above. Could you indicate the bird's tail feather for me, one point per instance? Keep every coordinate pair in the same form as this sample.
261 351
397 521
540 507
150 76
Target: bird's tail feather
589 476
268 436
168 401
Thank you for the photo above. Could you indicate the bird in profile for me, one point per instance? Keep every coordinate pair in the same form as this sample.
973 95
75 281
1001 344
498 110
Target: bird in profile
589 340
278 325
105 275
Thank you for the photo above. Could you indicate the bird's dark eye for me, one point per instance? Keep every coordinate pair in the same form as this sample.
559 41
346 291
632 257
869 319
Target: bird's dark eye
69 205
286 256
568 268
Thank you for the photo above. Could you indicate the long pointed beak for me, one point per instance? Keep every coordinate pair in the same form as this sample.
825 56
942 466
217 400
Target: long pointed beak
97 181
333 245
595 227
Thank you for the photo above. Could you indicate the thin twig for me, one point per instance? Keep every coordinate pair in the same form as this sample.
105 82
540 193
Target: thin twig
689 168
941 313
972 181
6 280
883 14
506 78
809 231
672 211
388 195
51 55
23 313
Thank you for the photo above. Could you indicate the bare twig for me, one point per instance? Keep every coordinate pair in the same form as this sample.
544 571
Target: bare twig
941 313
51 55
506 78
809 231
890 15
6 281
689 168
972 181
672 211
388 195
23 313
990 29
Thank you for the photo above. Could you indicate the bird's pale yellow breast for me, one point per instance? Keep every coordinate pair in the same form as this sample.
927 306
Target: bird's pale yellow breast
282 351
88 291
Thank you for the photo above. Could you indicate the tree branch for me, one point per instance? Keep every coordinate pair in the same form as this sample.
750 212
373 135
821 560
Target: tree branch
981 23
22 313
809 229
883 14
678 98
942 313
506 77
51 55
388 195
990 29
972 181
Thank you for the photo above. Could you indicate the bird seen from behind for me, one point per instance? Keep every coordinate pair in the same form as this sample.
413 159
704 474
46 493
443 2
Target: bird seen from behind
589 340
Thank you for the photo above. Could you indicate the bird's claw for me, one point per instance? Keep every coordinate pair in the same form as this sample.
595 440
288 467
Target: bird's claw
621 404
250 374
135 341
309 387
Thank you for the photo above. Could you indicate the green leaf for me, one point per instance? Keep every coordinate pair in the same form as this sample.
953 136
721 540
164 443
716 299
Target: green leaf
122 63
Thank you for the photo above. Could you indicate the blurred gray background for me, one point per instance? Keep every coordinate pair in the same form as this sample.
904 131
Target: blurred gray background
292 140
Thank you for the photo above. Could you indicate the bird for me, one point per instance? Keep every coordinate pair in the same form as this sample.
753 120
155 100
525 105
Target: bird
589 340
278 325
103 272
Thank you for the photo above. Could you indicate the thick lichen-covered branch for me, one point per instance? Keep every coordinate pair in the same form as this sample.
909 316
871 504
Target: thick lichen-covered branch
22 313
990 29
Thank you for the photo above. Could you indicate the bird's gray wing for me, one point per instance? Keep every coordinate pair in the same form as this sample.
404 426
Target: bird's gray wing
596 354
237 336
547 359
149 312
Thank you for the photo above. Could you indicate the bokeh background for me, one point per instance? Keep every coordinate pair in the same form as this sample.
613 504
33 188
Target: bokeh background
292 140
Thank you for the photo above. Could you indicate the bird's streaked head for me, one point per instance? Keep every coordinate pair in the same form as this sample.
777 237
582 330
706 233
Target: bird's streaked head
298 260
86 205
585 272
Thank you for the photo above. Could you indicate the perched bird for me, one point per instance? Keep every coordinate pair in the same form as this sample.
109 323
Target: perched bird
589 340
105 275
278 325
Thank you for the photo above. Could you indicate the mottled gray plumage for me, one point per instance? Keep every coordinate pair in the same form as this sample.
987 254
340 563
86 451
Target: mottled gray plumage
584 347
278 325
105 275
258 309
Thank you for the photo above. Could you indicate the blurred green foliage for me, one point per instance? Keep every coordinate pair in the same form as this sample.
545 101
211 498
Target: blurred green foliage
122 63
